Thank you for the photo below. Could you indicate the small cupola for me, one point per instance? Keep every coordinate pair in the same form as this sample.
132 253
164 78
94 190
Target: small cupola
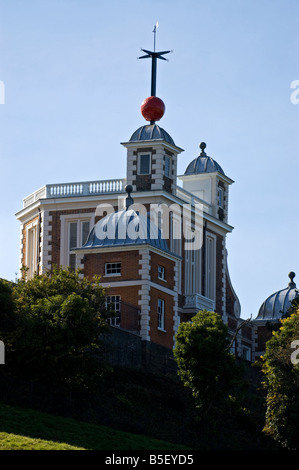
205 178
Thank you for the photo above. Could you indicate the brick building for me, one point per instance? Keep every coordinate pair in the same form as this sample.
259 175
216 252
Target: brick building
159 245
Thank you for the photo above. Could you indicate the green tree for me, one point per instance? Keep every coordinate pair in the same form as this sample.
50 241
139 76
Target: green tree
56 322
281 370
205 364
6 310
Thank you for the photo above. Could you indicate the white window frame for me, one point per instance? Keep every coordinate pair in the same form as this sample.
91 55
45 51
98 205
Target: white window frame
220 197
139 162
193 261
161 272
31 248
210 266
115 265
246 352
114 321
161 314
65 221
176 243
168 166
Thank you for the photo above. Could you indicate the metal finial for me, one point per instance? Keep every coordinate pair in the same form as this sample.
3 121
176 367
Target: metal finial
291 276
202 146
155 31
129 199
154 56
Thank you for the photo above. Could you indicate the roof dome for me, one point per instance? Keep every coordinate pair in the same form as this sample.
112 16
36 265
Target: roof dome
203 164
278 303
151 132
125 228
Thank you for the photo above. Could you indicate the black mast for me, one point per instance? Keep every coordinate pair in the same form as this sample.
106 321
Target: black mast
154 56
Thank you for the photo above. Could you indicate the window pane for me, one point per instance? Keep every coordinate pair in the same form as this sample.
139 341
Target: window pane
161 314
73 235
161 272
112 268
220 197
210 268
113 303
32 252
144 164
167 166
85 231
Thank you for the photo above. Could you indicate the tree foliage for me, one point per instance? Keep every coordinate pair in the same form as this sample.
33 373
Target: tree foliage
54 318
6 302
205 364
281 369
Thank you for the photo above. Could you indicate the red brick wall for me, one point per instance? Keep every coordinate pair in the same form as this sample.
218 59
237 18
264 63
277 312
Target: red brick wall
129 306
95 264
164 338
168 264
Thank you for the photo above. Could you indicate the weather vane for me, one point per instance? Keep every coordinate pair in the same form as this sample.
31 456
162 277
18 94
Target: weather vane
154 56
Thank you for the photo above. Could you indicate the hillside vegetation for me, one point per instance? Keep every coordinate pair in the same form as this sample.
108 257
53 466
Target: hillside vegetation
25 429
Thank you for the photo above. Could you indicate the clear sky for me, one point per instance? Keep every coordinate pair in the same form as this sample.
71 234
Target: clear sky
73 89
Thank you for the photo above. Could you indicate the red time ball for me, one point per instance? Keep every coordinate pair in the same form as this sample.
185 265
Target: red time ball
152 108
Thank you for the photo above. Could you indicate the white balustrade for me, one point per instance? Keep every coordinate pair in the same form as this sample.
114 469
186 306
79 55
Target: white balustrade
199 302
87 188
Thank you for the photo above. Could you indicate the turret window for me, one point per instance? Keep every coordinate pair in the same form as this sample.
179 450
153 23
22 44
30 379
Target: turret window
167 166
220 197
144 164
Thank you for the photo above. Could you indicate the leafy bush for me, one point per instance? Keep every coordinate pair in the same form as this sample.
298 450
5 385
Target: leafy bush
53 319
204 361
282 384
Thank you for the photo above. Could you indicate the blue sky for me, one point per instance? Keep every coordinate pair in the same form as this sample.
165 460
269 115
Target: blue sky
73 89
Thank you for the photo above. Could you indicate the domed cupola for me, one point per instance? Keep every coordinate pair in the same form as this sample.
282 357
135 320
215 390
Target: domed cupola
151 132
205 178
125 228
278 303
203 164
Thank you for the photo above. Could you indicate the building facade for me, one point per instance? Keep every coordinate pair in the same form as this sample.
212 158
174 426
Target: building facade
157 239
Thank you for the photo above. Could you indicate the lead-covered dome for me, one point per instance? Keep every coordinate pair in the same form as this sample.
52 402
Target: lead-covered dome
278 303
203 164
125 228
151 132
